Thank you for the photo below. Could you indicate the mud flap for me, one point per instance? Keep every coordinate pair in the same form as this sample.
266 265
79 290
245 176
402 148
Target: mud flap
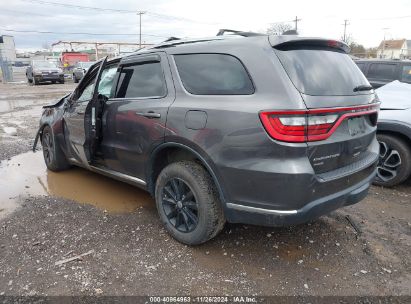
36 139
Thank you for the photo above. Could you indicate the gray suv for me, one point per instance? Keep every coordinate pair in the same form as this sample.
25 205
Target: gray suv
245 128
44 71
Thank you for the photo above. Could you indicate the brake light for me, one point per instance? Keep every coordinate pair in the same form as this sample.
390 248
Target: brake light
311 125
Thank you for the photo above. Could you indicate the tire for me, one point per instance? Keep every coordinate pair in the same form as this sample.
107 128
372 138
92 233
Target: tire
53 82
75 79
61 81
189 176
394 165
53 155
35 82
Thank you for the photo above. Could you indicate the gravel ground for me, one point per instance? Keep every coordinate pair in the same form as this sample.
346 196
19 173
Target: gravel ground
359 250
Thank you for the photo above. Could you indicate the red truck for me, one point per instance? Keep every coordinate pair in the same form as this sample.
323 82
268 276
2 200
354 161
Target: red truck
69 59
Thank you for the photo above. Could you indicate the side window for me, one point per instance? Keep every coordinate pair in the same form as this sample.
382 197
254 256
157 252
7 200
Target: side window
141 80
213 74
406 73
361 65
107 80
88 91
381 71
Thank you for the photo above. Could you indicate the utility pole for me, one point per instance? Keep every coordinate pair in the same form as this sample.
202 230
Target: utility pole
296 22
345 30
140 13
383 42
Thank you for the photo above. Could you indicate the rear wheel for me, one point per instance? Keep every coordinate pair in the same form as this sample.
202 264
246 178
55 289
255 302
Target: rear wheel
35 82
75 78
53 155
188 203
394 165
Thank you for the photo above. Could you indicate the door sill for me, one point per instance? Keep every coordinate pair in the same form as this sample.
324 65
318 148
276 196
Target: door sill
117 175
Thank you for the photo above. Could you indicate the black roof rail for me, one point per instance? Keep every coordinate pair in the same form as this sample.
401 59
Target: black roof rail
172 39
221 32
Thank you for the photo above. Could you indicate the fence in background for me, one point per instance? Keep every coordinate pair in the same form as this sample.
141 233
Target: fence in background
6 70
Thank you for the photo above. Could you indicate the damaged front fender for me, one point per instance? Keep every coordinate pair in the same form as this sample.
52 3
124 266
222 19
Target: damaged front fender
48 117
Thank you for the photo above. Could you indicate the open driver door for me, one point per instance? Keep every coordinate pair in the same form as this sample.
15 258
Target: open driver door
82 116
92 118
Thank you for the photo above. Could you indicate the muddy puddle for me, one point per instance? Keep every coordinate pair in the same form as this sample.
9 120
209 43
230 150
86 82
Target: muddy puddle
26 175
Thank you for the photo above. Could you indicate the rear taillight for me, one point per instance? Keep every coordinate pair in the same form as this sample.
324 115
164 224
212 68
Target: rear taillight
311 125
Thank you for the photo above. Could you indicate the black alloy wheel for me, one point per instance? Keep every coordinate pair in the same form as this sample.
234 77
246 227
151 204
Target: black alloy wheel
48 148
180 205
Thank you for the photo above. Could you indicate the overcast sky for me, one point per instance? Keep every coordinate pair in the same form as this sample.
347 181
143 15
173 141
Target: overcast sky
185 18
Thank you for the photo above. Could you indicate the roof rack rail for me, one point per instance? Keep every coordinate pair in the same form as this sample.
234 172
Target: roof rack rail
172 39
221 32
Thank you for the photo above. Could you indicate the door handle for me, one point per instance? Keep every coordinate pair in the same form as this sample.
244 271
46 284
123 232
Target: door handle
149 114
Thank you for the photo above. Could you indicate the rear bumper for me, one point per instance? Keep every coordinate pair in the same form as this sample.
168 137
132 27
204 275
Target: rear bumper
237 213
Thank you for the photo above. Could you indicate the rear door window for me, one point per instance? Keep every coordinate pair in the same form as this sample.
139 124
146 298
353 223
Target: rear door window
384 71
141 80
406 73
321 71
213 74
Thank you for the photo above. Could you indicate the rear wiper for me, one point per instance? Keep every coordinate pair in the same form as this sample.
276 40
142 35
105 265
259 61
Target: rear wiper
363 88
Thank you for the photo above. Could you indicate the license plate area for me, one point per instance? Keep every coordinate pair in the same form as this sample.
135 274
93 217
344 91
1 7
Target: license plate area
356 125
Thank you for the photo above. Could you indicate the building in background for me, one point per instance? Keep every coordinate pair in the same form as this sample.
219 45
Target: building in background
393 49
7 48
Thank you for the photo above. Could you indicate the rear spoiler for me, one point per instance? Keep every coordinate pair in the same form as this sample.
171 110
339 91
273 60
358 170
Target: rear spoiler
290 43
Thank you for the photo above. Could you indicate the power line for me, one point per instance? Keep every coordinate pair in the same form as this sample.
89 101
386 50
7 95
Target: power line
78 33
80 6
386 18
103 9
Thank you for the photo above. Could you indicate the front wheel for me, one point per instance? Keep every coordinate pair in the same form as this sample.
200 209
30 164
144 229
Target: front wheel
188 203
394 165
53 155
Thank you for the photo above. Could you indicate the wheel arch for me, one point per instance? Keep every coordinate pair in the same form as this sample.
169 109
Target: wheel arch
395 129
160 158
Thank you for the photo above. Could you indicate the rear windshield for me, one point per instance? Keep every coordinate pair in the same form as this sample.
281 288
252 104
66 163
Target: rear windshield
322 72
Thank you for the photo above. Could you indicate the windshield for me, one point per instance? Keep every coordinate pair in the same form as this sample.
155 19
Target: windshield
322 72
86 65
44 64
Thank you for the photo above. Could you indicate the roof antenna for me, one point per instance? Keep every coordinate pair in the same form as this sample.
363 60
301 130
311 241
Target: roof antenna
290 32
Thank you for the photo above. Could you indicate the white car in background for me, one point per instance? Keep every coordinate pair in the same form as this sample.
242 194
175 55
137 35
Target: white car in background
394 134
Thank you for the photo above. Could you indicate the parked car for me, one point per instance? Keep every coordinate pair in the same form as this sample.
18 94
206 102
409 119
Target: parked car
43 71
242 128
80 69
394 134
381 71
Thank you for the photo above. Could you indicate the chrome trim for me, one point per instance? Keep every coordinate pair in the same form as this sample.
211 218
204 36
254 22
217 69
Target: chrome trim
118 175
259 210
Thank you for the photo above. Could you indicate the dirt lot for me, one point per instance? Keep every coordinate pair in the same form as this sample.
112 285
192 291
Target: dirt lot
47 217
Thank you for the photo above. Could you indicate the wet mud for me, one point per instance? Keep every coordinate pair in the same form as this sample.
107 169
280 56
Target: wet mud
26 175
